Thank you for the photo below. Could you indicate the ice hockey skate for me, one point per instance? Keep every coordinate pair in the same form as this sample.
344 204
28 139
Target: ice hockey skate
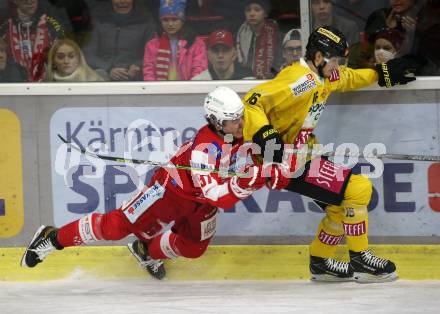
330 270
42 244
369 268
154 266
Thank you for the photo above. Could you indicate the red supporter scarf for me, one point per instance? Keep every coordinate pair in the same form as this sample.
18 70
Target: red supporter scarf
163 58
265 48
40 43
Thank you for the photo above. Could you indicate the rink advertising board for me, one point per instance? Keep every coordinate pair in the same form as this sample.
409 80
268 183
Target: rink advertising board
405 199
11 184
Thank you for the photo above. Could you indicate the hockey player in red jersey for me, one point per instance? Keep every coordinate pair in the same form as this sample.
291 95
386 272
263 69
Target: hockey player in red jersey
188 198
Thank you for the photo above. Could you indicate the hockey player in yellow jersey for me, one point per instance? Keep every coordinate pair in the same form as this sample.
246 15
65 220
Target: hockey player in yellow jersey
285 110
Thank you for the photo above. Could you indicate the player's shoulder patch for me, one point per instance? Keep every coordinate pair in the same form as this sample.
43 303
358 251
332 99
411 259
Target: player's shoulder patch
303 84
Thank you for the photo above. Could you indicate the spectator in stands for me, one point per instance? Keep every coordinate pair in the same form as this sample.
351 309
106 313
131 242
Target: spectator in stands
358 10
121 29
428 38
292 47
323 14
222 56
400 15
75 16
9 70
258 40
387 45
66 63
384 45
178 54
30 31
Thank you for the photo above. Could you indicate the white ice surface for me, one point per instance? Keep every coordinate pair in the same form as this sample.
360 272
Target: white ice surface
85 295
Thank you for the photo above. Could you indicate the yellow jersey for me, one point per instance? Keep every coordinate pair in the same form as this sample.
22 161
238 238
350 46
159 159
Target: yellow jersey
293 101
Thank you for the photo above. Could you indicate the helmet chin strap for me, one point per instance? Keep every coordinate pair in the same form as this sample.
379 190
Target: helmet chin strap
320 68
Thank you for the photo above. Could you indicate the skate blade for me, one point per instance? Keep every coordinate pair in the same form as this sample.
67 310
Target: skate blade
23 258
130 248
140 260
369 278
329 278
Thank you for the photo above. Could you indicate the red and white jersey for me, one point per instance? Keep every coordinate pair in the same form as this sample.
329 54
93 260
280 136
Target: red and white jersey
203 183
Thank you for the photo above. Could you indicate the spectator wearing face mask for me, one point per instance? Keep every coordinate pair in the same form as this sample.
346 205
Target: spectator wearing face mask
387 45
384 45
401 15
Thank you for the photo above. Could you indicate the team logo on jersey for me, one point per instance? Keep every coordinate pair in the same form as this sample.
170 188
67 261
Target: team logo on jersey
304 84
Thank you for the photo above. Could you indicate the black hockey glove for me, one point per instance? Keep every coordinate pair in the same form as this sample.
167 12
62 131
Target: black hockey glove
271 144
398 71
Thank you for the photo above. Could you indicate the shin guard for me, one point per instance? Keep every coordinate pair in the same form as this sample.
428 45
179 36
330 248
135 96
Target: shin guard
356 199
164 246
329 234
172 245
356 228
84 230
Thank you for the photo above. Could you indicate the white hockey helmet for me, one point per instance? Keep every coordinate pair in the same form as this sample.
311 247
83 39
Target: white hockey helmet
222 104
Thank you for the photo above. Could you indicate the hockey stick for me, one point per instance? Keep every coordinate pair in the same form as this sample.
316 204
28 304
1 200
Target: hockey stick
387 156
144 162
230 173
